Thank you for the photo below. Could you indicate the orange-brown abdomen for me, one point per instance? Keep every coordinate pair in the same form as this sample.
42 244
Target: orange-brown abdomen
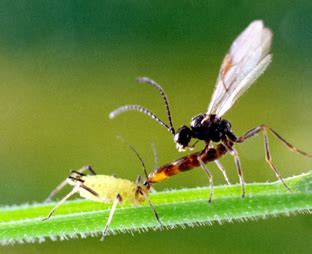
186 163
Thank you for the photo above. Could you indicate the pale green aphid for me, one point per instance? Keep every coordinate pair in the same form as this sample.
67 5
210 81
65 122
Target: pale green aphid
106 189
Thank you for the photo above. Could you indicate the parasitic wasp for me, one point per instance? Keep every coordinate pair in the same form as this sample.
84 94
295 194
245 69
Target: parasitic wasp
248 57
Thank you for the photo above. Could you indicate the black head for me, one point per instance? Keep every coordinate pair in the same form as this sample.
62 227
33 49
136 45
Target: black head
183 137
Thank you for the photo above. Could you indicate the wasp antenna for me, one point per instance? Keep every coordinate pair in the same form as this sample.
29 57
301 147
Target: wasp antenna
136 153
146 80
139 108
155 155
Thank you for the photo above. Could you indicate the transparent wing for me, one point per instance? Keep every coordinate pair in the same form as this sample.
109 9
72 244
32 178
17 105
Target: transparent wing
247 59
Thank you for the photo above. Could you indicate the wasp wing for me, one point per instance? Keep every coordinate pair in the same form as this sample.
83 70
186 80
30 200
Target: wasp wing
247 59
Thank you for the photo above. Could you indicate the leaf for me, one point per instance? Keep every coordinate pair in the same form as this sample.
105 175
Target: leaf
183 207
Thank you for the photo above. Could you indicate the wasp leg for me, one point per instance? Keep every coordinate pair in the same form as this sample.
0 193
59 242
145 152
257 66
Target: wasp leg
222 169
234 153
268 157
264 128
203 166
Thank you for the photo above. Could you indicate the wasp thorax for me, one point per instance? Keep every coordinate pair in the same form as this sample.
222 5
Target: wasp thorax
209 127
183 137
199 127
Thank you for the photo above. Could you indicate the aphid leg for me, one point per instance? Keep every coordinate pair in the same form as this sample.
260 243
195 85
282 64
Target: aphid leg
268 156
202 164
74 190
153 208
118 199
56 190
83 169
222 169
64 183
88 167
234 153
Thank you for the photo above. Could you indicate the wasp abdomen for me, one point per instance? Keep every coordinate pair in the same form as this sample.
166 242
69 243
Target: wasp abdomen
186 163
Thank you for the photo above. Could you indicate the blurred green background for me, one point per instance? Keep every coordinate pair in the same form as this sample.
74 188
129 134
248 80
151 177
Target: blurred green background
65 65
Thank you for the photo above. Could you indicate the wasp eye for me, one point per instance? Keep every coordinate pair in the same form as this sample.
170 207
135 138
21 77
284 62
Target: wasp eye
183 136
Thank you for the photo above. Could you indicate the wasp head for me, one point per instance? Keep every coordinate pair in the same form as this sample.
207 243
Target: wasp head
183 137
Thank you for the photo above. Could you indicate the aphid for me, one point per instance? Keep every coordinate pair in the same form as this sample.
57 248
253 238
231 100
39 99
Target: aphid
247 59
106 189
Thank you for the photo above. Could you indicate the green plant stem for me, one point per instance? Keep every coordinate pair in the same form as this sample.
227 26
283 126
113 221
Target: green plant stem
19 224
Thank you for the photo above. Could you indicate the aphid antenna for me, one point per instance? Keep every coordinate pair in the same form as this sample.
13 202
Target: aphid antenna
138 180
139 108
136 153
